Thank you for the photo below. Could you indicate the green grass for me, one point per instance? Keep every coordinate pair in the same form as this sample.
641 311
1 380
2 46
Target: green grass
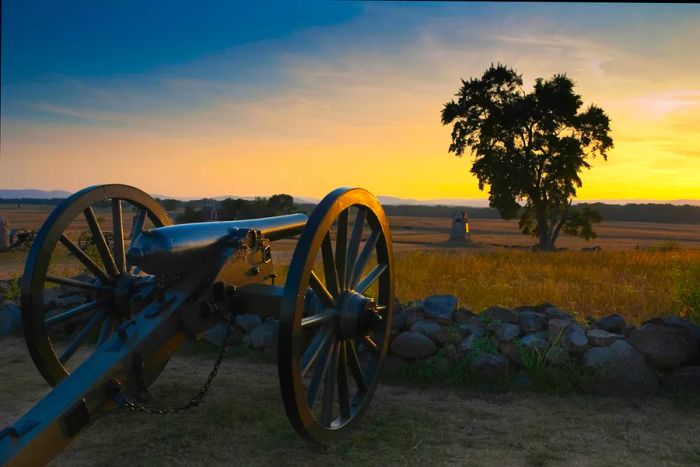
545 377
14 293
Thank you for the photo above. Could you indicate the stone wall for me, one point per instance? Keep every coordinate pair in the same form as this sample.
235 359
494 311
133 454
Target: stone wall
608 355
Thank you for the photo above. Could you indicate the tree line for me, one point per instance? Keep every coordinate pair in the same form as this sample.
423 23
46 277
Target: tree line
230 208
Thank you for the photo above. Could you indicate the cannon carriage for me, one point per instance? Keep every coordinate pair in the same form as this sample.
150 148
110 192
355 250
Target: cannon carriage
159 284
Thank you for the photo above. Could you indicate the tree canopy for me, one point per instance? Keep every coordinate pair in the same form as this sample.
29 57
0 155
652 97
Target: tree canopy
529 148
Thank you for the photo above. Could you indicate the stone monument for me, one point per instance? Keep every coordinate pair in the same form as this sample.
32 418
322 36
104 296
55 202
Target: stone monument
460 227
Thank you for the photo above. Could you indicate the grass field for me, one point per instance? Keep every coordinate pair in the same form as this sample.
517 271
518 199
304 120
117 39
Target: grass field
242 421
636 284
619 279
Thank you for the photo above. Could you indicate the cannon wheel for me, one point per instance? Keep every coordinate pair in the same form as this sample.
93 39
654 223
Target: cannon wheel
335 326
113 284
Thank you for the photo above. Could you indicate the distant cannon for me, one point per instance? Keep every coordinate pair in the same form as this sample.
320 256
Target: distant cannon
22 239
154 287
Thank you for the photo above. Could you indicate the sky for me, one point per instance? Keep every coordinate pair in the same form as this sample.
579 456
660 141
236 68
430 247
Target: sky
233 98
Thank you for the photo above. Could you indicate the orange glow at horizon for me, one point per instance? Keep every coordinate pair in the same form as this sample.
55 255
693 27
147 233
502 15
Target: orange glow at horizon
366 119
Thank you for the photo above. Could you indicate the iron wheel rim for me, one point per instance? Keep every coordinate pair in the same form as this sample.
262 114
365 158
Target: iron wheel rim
33 281
292 355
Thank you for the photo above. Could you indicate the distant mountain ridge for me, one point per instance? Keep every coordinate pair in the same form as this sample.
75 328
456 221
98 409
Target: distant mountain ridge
32 193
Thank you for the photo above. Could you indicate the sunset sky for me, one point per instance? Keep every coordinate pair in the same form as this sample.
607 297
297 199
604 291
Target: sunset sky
225 98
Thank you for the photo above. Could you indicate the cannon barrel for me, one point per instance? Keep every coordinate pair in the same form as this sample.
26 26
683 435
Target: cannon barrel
175 247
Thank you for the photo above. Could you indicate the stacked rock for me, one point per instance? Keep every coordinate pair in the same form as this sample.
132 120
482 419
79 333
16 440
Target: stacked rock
614 357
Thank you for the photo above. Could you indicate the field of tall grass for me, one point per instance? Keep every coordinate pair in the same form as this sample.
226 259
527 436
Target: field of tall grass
636 284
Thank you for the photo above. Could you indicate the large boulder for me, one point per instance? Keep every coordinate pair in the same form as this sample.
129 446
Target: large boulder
611 323
555 329
553 312
473 326
413 345
511 351
10 319
574 338
600 338
684 380
248 322
399 316
433 330
531 321
490 367
217 333
440 307
52 294
499 313
466 344
676 322
618 369
557 356
507 331
462 314
264 336
414 313
664 346
534 341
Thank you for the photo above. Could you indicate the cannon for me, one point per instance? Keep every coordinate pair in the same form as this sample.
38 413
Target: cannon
159 284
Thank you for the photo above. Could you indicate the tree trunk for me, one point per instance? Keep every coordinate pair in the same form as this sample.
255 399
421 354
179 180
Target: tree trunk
546 242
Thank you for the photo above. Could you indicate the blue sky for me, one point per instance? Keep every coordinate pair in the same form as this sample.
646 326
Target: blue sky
313 83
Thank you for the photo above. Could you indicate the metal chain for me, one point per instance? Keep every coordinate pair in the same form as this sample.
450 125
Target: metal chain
133 406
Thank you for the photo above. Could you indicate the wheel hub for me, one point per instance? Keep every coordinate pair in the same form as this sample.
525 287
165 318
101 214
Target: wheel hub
358 314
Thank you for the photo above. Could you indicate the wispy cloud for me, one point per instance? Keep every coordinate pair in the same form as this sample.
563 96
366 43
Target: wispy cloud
357 101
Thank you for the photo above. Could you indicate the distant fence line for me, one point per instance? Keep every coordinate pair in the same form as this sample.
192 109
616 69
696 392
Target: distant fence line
664 248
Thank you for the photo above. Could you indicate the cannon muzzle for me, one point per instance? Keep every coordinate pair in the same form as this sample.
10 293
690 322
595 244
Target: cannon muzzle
182 247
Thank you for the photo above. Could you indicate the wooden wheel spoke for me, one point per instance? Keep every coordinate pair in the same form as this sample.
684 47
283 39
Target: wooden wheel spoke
354 245
118 232
370 278
85 307
74 283
362 260
100 242
314 349
355 367
343 393
136 229
137 226
322 365
315 320
323 294
105 330
85 259
329 269
329 387
82 335
341 246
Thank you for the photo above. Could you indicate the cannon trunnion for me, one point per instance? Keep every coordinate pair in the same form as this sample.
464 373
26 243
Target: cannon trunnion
158 284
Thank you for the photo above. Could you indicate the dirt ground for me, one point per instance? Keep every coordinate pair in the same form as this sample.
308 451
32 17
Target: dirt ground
242 422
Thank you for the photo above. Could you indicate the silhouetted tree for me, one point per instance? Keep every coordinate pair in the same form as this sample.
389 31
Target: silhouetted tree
529 147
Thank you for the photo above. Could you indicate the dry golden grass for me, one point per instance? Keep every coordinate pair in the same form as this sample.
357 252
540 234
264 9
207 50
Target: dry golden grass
636 284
